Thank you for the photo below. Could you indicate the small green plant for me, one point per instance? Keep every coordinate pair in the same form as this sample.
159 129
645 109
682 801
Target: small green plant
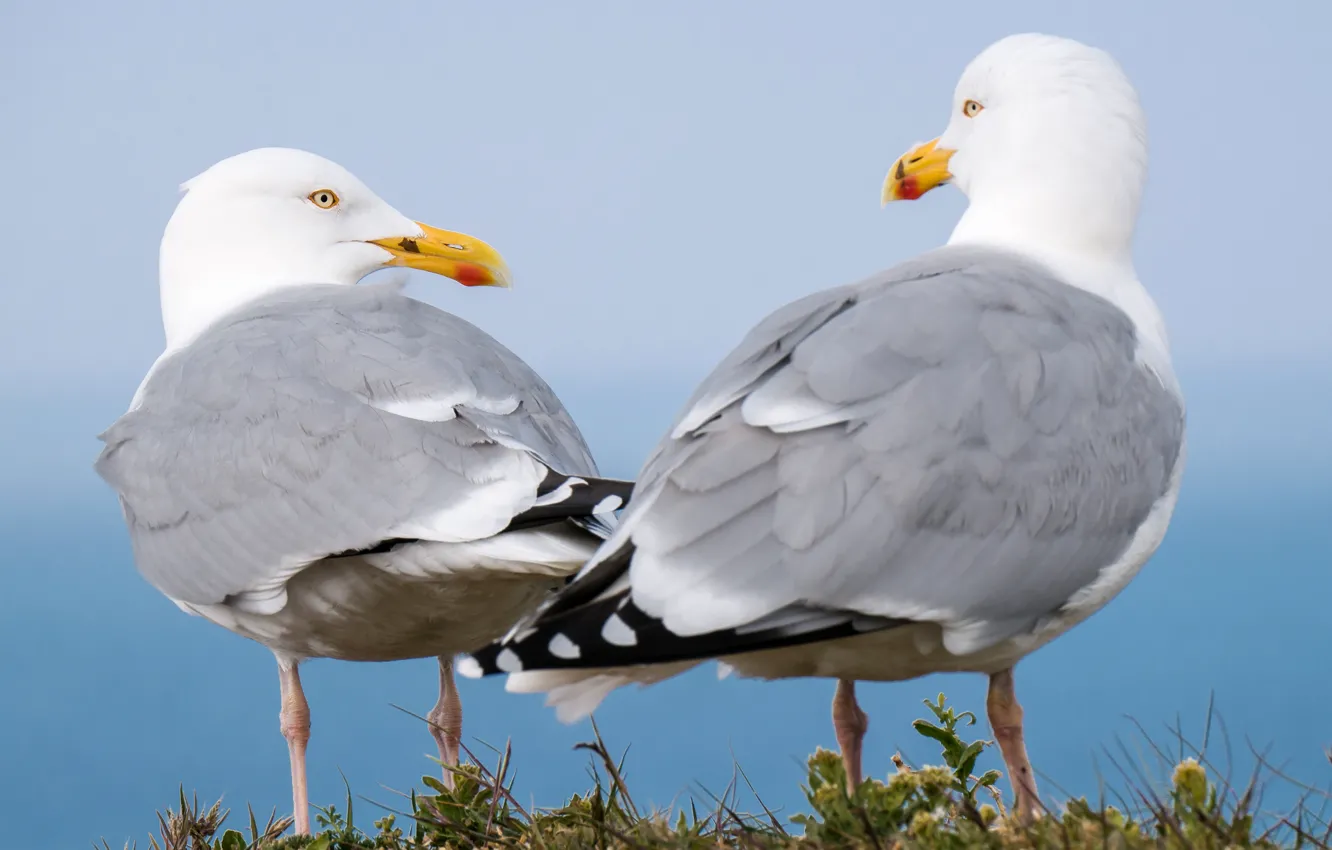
959 755
916 802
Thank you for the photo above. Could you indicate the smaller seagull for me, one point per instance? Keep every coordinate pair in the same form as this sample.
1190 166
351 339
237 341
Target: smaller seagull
341 471
941 468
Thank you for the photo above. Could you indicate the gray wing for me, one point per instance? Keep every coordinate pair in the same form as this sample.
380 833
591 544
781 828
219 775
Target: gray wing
967 440
323 420
963 439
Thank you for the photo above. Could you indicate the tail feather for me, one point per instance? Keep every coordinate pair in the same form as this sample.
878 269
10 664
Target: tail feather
575 694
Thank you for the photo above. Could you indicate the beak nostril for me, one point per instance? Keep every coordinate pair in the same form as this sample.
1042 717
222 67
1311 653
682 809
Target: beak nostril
915 159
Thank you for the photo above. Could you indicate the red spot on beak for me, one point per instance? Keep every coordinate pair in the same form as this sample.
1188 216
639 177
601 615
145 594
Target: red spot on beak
909 189
470 275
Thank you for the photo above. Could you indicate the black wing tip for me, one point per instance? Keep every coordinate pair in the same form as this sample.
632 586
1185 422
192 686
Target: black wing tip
479 664
614 632
561 496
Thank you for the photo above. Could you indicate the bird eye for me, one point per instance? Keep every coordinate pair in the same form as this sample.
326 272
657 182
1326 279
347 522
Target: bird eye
971 109
325 199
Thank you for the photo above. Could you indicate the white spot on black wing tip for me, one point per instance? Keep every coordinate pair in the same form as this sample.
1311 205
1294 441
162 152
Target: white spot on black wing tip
610 504
469 668
617 632
562 647
508 661
559 494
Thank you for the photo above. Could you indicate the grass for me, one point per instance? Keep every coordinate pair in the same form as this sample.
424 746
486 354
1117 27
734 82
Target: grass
933 806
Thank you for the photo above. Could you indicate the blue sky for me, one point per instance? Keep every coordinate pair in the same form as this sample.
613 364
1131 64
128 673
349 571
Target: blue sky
659 176
696 163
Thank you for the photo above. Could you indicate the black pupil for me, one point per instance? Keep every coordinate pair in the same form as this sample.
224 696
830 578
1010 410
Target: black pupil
323 199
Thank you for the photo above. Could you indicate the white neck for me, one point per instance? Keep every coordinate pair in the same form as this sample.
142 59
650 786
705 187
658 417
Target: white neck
187 311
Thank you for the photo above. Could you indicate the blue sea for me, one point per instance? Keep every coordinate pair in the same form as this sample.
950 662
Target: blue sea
111 698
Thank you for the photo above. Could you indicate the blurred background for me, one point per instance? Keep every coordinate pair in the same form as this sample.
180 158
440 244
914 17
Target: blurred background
659 176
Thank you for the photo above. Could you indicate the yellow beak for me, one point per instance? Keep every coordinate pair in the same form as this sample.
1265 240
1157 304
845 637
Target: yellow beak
457 256
916 172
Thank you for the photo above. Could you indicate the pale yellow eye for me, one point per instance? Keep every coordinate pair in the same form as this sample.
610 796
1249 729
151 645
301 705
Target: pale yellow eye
325 199
971 109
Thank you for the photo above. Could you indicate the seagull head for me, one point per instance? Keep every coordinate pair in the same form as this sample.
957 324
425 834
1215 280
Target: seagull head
277 217
1047 140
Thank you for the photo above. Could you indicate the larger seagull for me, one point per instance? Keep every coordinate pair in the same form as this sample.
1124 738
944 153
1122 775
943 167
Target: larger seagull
940 468
342 471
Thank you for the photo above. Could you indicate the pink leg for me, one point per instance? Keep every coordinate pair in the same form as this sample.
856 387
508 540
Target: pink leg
1006 721
294 721
446 719
850 724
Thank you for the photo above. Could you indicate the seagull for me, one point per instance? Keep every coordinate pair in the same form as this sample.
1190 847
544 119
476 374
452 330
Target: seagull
940 468
340 471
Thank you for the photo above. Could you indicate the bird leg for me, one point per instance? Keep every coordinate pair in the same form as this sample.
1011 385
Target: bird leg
294 720
850 723
446 719
1006 722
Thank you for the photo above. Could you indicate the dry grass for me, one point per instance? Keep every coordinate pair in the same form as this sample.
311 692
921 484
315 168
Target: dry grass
1193 805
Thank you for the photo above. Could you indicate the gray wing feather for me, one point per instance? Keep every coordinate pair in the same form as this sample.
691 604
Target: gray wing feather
266 444
964 438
